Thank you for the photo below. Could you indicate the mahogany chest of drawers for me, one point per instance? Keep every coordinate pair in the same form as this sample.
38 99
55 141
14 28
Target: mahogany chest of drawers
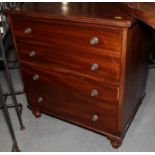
85 63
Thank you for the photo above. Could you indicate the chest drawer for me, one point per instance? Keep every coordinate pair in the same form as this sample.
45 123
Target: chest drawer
78 85
104 65
71 35
58 98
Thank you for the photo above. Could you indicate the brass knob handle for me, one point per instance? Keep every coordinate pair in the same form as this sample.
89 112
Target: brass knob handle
32 54
94 41
94 92
28 30
95 118
40 99
94 67
35 77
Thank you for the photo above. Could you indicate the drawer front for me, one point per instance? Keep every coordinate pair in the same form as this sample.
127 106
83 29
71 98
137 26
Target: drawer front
104 65
62 34
64 101
81 86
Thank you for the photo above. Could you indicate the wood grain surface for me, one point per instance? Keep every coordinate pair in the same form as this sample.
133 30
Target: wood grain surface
58 45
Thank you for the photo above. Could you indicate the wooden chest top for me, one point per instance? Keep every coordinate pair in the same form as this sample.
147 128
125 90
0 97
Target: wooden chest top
90 12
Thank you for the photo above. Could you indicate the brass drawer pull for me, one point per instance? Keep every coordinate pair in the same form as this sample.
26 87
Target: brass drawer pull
95 118
32 54
94 93
94 67
28 30
94 41
40 99
35 77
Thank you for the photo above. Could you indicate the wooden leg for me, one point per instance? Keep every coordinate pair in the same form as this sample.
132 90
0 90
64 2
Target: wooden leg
37 113
116 143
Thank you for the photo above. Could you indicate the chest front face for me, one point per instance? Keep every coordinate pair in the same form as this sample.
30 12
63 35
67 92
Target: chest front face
75 69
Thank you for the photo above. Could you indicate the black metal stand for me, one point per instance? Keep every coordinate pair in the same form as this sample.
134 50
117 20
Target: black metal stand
10 84
15 147
5 43
18 107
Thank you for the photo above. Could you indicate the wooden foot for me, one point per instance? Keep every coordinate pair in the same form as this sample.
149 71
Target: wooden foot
115 144
37 114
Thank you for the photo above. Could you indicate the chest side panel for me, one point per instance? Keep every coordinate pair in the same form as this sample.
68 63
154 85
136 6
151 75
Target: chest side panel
138 47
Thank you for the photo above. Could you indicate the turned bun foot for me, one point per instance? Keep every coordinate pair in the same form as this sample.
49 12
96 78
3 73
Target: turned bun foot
115 144
37 114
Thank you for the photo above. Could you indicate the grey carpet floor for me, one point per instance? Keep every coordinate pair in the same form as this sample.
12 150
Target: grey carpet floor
51 134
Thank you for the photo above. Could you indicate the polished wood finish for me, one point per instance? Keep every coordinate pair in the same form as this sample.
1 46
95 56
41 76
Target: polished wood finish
74 60
144 11
80 85
72 96
77 12
85 66
52 32
137 64
136 47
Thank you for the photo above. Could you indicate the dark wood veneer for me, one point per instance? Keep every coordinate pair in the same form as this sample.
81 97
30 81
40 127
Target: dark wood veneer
59 79
92 13
74 60
61 34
